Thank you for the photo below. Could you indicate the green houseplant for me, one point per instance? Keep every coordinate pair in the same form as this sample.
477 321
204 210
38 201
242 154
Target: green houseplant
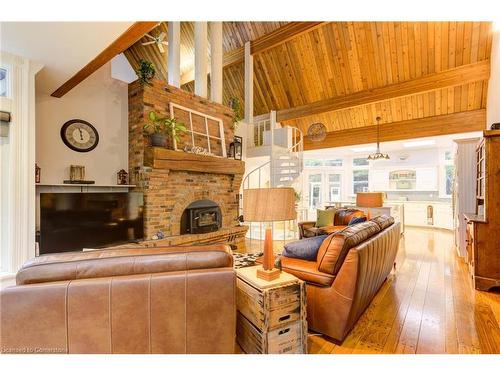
235 105
163 129
146 71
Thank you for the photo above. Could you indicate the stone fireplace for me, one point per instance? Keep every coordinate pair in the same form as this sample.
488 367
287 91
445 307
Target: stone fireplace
189 198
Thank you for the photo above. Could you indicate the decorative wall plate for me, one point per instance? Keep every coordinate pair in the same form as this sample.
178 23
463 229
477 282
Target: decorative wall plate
316 132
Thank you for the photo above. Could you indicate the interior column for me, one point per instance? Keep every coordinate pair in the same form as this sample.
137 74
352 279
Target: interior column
174 54
200 59
248 84
216 62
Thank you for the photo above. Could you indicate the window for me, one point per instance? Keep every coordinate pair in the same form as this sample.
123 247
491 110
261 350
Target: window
312 163
357 162
323 162
333 162
258 132
360 180
203 131
448 155
314 191
334 186
3 82
449 178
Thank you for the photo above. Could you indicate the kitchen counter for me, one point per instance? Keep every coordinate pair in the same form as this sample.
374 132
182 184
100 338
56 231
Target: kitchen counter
413 202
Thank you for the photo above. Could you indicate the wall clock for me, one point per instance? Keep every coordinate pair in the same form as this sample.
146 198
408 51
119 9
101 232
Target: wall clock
79 135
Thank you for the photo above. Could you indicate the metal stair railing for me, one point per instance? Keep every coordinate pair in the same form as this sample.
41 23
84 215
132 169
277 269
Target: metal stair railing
296 148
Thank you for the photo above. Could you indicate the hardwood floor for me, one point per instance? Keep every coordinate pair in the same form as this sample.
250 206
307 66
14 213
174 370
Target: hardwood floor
428 305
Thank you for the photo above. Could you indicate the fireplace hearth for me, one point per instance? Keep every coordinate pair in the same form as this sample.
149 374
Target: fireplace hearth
201 216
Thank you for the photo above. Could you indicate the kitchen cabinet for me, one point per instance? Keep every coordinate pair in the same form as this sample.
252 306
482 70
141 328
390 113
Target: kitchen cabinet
416 214
416 179
379 180
427 179
443 216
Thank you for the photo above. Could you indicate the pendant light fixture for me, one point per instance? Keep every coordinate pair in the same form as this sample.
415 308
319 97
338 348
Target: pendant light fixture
378 155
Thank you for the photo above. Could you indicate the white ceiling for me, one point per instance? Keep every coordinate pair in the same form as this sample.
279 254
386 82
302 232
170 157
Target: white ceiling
62 47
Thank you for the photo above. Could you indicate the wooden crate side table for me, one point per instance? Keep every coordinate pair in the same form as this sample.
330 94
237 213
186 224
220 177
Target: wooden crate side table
271 314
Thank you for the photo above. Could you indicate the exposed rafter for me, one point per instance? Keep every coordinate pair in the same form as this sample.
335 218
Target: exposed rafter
447 78
277 37
124 41
460 122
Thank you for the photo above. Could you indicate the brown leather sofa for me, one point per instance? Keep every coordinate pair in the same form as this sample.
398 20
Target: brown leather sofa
141 300
350 268
340 221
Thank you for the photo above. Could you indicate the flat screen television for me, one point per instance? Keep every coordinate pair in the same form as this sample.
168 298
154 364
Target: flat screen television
74 221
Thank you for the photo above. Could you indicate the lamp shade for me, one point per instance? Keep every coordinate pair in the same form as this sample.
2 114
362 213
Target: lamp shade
375 199
274 204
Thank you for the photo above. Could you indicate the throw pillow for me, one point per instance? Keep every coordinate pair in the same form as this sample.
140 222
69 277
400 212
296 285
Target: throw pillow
325 217
306 249
357 220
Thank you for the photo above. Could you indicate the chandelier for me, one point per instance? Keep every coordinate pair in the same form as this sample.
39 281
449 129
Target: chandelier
378 155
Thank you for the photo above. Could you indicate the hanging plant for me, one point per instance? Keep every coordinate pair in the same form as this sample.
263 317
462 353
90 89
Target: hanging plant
146 71
235 105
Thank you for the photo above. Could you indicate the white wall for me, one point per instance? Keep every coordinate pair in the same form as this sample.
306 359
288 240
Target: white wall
17 183
100 100
493 104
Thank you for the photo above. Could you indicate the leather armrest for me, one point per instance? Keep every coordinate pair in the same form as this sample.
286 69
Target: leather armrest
304 225
306 270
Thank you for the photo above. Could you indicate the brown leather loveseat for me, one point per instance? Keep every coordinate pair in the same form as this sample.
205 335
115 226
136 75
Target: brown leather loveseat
138 300
350 268
340 221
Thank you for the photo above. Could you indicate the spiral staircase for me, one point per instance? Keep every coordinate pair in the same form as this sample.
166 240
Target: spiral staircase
284 148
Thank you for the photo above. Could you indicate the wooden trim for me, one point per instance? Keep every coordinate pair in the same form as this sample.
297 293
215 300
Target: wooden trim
452 77
282 35
124 41
233 57
268 41
460 122
162 158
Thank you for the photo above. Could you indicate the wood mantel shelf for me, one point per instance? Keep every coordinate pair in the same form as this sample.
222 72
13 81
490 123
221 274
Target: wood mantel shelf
162 158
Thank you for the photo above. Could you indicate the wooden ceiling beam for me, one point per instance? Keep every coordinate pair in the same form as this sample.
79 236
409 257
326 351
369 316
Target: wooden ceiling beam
460 122
452 77
273 39
134 33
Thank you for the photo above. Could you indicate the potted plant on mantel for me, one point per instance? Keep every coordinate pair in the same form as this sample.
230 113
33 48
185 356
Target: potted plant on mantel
163 129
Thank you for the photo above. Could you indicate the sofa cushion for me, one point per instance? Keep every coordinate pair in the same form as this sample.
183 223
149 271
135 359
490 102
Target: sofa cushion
344 215
383 221
357 220
306 270
304 249
335 247
325 217
120 262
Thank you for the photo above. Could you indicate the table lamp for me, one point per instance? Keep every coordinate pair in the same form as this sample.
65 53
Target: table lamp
370 200
267 205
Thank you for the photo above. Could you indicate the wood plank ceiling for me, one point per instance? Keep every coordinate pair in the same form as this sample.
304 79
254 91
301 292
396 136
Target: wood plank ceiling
342 58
